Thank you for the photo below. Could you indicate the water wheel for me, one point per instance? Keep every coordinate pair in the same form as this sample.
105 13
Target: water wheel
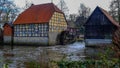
64 38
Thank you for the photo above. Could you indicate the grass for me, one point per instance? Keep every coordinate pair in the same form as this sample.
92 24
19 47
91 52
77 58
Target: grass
32 64
106 60
90 64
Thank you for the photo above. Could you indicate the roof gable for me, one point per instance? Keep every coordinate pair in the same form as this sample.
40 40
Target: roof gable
8 24
101 12
110 17
37 14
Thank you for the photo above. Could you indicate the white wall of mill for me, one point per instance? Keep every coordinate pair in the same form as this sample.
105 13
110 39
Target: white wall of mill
27 40
35 34
31 40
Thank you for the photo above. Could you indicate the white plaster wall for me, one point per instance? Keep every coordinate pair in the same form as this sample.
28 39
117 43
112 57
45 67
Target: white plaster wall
97 41
7 39
31 40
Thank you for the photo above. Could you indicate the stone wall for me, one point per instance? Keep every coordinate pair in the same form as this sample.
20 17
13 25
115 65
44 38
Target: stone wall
53 38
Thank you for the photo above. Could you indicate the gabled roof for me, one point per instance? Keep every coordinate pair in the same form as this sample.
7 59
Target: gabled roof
37 14
110 18
9 24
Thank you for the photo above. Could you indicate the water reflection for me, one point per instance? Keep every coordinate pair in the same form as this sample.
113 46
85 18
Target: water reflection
20 56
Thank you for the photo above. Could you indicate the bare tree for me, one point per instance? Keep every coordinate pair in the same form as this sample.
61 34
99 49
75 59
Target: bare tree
62 5
27 4
72 17
8 11
71 20
84 13
115 9
115 12
116 42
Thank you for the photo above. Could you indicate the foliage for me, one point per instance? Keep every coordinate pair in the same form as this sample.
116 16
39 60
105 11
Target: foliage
32 64
89 64
5 66
105 62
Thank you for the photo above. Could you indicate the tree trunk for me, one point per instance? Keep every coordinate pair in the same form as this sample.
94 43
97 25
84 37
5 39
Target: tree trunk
116 42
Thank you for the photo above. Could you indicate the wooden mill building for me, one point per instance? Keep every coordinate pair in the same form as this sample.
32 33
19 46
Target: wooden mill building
39 24
99 27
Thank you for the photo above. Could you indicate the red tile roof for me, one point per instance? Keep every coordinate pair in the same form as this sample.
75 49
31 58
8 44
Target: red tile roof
37 14
7 29
110 17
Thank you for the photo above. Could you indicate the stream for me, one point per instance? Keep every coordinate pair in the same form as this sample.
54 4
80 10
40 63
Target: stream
20 55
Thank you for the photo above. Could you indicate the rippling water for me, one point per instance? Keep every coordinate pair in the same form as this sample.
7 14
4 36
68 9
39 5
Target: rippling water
21 54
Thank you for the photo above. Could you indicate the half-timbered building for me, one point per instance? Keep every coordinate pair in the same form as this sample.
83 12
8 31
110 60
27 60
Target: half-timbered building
39 24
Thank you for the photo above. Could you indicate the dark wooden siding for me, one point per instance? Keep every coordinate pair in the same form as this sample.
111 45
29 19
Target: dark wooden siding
98 26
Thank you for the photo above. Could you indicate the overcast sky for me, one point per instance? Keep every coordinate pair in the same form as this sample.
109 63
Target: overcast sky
73 5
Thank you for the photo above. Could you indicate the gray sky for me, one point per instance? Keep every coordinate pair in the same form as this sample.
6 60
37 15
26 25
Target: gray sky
73 5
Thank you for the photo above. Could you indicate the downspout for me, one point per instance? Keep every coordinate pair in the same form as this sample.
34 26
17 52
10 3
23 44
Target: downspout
12 38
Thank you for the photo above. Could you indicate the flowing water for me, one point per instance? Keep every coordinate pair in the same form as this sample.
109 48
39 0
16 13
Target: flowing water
20 55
